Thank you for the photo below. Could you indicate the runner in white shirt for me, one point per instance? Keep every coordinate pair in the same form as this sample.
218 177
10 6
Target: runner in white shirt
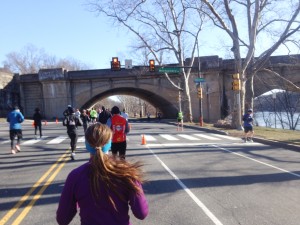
124 114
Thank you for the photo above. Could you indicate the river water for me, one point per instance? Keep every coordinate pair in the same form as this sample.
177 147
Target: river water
268 119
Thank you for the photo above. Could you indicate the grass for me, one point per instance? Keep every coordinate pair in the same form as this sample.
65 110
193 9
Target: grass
282 135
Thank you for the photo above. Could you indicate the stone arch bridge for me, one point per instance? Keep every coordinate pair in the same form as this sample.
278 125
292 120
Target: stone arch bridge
53 89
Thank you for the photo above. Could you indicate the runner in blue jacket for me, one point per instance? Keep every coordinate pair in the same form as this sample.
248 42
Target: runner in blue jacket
15 118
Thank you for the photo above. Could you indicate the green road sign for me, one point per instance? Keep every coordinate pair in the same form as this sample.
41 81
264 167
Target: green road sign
199 80
169 70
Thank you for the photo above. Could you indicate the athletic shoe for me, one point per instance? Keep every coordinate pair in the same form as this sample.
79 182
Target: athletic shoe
18 148
73 156
13 151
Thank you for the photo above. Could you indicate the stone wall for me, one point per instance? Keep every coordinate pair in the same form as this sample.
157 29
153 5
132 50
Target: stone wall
9 92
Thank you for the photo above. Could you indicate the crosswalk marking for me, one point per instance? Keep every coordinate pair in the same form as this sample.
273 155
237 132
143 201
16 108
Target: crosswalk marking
33 141
226 137
150 138
81 139
4 142
207 137
159 145
189 137
169 137
57 140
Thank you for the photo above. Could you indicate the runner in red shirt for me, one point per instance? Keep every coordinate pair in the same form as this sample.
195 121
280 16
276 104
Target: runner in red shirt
120 128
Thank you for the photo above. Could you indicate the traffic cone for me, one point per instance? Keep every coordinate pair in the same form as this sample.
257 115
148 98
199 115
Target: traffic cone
143 140
56 121
45 122
33 123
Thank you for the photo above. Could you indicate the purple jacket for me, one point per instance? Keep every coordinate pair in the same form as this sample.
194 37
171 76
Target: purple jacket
77 190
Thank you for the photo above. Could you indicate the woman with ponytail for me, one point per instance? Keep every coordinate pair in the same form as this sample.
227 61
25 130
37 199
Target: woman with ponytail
103 188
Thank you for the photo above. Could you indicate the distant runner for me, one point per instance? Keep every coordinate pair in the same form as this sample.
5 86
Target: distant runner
179 121
248 126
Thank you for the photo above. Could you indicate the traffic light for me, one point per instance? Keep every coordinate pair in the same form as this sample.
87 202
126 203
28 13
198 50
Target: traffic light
236 83
115 64
199 90
151 65
236 76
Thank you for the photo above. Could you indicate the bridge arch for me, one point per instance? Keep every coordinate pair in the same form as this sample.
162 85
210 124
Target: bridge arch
163 105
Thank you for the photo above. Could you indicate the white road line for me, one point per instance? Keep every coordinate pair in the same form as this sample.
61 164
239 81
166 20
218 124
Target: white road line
189 137
169 137
4 142
81 139
213 218
150 138
227 137
207 137
57 140
255 160
33 141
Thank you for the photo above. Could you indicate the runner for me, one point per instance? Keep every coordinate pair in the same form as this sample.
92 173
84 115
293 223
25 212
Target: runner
103 188
37 118
15 118
248 126
71 122
120 128
179 121
85 120
104 115
124 114
93 115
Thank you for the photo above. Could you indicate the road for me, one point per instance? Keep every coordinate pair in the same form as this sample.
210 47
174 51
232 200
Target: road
194 177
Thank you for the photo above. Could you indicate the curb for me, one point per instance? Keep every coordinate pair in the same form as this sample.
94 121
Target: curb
277 144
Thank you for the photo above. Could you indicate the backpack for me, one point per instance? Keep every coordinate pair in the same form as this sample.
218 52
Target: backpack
69 121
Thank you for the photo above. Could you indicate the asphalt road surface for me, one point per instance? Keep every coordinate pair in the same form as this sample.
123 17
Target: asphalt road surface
194 177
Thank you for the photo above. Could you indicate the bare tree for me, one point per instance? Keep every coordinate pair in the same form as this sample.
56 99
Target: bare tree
128 102
31 59
272 23
167 29
284 109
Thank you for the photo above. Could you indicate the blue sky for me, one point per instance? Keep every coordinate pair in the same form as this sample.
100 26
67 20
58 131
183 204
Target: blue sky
63 28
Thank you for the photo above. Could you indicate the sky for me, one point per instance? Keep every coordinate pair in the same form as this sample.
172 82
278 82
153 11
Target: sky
62 28
66 29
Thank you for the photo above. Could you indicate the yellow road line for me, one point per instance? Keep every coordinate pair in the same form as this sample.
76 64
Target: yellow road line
26 210
11 212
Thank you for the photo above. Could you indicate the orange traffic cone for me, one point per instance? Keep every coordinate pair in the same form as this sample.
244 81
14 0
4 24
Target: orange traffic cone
33 124
143 140
56 121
